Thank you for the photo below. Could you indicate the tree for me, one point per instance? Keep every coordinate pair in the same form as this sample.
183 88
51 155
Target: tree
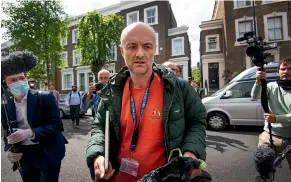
196 75
96 36
37 26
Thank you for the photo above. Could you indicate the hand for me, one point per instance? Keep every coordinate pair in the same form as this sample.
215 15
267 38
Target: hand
270 117
19 136
67 105
99 168
13 157
260 75
194 172
91 89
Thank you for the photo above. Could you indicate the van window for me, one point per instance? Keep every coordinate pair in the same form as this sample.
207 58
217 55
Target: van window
242 89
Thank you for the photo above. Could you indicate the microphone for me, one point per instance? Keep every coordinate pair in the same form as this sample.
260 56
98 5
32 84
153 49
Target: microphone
17 62
264 158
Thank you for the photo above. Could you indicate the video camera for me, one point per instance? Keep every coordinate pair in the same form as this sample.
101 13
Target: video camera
256 48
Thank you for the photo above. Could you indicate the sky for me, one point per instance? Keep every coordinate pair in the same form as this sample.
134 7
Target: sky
187 12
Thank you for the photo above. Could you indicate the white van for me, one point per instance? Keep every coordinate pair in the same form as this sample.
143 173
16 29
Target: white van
233 105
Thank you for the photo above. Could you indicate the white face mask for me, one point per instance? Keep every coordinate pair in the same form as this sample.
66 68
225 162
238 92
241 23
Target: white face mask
19 88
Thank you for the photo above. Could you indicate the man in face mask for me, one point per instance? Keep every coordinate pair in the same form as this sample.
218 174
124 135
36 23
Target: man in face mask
73 101
279 99
31 124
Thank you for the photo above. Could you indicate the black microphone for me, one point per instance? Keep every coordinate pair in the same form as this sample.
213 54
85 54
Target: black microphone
17 62
264 158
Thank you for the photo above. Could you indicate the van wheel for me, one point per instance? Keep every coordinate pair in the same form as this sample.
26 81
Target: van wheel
217 121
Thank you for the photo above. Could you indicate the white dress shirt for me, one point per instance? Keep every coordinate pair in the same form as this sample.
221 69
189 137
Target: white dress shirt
21 118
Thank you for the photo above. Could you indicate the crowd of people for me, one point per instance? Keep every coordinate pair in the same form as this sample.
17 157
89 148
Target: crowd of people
152 112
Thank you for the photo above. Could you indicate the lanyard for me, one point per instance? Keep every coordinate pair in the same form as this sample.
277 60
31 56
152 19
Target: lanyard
133 113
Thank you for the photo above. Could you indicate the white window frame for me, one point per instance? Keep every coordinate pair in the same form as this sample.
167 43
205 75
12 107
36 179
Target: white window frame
157 44
131 13
115 54
66 61
156 17
284 24
270 2
236 7
73 35
64 72
245 18
64 41
74 56
183 51
217 42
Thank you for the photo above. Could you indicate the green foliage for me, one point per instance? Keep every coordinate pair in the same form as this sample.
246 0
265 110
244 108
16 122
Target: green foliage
37 26
196 75
96 35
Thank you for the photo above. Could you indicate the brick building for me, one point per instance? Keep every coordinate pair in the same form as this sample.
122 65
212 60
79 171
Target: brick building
222 56
172 42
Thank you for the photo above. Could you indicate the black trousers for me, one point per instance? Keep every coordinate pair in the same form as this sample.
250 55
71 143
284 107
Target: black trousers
74 112
35 167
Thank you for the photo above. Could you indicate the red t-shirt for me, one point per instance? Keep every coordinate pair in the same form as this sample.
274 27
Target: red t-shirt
150 148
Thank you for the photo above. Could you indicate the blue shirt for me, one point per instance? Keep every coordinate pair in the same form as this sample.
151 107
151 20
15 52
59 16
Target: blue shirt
74 99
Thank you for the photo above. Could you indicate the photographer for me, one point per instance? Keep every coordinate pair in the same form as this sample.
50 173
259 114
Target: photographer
279 99
37 146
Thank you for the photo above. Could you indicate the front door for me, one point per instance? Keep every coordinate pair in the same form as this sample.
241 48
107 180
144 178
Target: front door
213 76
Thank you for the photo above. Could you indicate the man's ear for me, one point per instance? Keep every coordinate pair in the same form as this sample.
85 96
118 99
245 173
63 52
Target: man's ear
121 50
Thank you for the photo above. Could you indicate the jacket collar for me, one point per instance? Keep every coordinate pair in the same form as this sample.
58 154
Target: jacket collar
117 82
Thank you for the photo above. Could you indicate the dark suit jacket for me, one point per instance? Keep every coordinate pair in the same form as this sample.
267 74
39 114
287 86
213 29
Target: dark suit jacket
43 115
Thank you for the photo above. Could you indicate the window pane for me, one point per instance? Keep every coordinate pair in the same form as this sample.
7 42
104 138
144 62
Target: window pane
278 22
271 33
242 90
278 34
240 3
271 23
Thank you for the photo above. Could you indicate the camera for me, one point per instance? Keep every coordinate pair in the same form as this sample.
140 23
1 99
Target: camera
98 86
256 48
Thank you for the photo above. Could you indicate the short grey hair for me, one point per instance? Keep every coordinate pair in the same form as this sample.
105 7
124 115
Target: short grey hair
103 71
132 26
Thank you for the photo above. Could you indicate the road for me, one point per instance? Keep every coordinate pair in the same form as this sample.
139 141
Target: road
229 156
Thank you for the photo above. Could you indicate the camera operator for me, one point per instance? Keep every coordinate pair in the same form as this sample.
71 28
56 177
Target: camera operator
279 99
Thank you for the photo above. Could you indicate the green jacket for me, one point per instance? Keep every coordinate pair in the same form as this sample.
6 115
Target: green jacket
184 117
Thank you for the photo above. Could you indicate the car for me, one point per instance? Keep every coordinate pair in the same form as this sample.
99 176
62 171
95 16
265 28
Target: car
64 111
233 105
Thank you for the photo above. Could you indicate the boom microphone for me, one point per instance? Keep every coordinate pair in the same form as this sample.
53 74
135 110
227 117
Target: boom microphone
264 158
17 62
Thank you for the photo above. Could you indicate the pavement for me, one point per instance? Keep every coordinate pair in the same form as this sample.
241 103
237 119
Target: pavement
229 156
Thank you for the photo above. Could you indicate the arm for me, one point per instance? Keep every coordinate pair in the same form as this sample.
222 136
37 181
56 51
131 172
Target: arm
5 128
68 99
256 91
88 104
195 123
58 96
284 118
96 144
51 117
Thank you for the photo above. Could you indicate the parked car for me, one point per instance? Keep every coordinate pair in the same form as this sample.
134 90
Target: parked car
64 111
233 105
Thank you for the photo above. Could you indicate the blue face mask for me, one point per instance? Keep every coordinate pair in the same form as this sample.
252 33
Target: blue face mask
19 88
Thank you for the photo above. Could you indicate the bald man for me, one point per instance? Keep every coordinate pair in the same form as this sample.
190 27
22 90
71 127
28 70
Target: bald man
175 67
147 120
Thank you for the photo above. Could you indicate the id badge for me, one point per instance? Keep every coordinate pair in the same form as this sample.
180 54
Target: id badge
129 166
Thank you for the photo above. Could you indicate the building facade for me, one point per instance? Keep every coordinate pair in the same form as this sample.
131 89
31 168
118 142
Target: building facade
172 42
222 56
